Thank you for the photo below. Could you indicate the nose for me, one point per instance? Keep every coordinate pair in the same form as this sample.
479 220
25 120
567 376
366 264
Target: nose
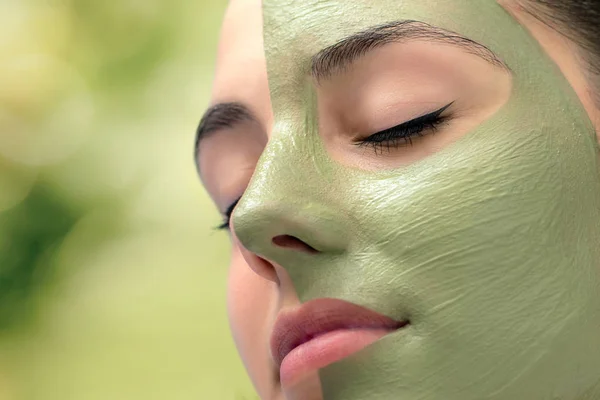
292 232
288 215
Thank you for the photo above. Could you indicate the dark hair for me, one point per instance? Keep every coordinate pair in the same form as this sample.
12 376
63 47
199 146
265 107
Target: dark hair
579 20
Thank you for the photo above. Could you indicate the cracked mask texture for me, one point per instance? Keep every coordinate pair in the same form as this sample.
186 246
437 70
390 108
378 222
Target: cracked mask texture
491 246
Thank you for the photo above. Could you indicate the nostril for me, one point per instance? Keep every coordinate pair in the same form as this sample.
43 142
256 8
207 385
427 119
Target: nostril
293 243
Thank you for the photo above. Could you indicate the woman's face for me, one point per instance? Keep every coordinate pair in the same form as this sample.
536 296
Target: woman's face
420 162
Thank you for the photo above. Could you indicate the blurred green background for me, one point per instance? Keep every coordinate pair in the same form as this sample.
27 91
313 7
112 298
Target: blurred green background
112 282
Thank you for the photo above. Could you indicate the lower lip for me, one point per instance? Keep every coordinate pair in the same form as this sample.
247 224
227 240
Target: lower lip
323 350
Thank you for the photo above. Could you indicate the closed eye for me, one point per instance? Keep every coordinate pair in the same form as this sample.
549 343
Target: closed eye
403 134
227 216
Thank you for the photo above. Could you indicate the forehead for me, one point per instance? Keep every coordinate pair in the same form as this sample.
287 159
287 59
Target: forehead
294 31
240 71
313 24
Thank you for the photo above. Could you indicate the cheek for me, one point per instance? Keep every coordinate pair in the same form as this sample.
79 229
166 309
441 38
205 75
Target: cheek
250 301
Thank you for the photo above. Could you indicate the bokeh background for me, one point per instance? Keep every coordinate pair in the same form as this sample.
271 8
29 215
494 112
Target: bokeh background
112 282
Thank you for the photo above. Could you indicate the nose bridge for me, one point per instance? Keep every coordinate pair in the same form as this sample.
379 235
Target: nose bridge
290 193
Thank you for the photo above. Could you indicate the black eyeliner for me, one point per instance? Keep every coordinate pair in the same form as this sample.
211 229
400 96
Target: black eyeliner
406 130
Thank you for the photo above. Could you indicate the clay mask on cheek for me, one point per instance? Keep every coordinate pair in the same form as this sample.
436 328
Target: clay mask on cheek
491 247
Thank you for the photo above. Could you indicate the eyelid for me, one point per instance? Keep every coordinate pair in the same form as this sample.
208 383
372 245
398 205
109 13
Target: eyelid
406 131
425 117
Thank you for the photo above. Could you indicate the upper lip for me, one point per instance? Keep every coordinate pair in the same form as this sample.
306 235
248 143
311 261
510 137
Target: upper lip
314 318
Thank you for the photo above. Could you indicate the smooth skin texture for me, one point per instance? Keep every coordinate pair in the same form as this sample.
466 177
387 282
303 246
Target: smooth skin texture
484 233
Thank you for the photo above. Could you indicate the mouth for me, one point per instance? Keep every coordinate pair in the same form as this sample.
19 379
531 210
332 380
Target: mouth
321 332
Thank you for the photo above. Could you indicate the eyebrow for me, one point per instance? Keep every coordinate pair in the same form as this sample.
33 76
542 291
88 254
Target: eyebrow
334 59
220 116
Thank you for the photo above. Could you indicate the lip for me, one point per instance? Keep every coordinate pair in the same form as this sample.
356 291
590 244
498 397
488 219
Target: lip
323 331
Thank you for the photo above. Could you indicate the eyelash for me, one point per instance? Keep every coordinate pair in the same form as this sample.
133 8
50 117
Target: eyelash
404 133
226 224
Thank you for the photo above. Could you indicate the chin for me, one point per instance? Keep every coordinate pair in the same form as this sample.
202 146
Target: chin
309 388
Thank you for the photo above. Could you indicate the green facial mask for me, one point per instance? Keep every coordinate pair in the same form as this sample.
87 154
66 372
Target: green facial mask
491 247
